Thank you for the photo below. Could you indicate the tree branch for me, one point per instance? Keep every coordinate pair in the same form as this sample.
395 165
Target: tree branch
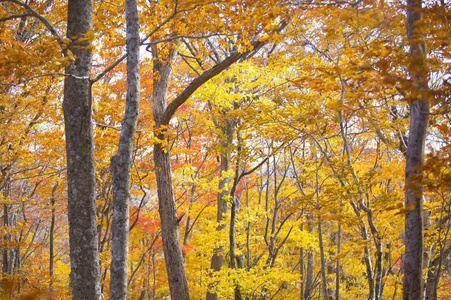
15 17
41 18
209 74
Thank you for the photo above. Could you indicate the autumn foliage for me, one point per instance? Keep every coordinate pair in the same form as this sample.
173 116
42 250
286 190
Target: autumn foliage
318 122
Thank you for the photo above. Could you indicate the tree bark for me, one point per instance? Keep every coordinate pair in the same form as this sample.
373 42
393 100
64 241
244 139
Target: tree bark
178 284
84 254
6 238
310 272
434 272
323 260
217 261
302 270
121 162
52 236
419 116
338 265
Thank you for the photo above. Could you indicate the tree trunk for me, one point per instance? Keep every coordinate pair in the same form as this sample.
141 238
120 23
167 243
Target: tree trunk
338 265
121 162
5 238
302 270
323 260
419 116
178 284
52 236
309 282
435 268
232 245
432 284
369 267
379 270
84 253
217 260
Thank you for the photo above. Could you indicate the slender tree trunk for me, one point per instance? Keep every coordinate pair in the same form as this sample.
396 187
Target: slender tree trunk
77 103
419 116
302 270
52 234
121 162
320 235
154 276
217 260
432 284
379 270
5 238
275 211
323 260
309 283
434 272
232 246
233 214
338 265
369 267
178 284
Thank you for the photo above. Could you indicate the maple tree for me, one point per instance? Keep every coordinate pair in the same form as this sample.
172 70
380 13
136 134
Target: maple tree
267 162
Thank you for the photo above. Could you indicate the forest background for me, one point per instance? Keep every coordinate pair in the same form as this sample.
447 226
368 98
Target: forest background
277 170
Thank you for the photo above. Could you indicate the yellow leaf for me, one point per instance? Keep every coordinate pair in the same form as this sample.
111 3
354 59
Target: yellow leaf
417 193
409 207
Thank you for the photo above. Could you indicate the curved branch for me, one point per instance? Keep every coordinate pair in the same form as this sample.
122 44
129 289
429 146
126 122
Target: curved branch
209 74
15 17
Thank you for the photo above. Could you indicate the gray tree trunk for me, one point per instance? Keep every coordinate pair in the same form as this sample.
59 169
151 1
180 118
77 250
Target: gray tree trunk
310 272
121 162
302 270
323 260
52 236
419 116
217 261
338 265
84 253
432 284
178 284
435 268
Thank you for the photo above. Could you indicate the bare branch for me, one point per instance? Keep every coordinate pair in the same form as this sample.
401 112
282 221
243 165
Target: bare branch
41 18
15 17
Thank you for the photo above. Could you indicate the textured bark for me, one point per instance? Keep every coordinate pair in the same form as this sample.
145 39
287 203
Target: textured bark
419 116
178 284
369 267
432 284
52 236
379 270
338 265
302 270
309 282
434 271
232 243
217 259
84 254
323 260
6 239
169 225
121 162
